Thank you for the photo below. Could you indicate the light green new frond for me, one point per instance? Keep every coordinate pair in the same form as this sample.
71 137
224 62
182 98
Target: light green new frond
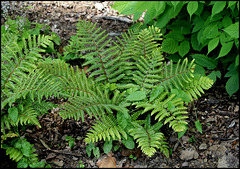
195 88
148 69
167 109
14 153
107 128
148 140
177 75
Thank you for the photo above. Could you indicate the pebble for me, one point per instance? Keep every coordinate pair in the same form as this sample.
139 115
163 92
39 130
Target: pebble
228 161
185 164
188 154
58 163
203 146
99 6
236 109
74 158
217 150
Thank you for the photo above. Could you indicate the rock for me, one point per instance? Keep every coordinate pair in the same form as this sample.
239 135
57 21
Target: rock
185 164
188 155
140 166
58 163
228 161
99 6
217 150
74 158
185 139
203 146
236 109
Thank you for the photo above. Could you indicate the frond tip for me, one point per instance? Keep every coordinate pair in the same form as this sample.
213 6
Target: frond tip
149 140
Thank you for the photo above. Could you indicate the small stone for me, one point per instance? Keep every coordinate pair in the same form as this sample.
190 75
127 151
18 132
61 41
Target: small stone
74 158
217 150
232 124
58 163
188 155
185 139
236 109
185 164
203 146
99 6
228 161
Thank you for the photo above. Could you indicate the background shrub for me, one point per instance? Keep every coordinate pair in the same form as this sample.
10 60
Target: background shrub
207 31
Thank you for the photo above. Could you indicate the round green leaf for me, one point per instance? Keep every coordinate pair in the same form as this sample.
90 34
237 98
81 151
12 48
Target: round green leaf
233 30
218 7
226 21
184 48
129 142
170 46
176 35
13 113
107 146
192 7
226 47
205 61
137 95
232 84
213 44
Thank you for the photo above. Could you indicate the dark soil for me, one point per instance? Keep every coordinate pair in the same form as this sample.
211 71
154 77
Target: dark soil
218 113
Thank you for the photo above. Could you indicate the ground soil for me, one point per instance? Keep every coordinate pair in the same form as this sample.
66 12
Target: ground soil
217 146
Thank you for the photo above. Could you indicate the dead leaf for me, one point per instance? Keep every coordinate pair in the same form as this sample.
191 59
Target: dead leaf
108 162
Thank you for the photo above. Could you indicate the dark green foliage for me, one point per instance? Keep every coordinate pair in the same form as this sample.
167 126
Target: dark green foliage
191 27
129 85
23 87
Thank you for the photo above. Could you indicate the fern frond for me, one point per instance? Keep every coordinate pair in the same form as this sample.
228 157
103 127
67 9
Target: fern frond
107 128
167 109
196 86
148 139
101 58
148 69
14 153
177 76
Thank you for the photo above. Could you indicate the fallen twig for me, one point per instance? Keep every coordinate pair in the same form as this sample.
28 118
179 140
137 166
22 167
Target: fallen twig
119 18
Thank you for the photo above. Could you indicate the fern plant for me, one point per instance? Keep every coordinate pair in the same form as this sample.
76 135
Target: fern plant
129 75
23 87
131 90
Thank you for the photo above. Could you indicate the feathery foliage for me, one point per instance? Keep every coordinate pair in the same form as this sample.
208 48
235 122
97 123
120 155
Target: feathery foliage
131 91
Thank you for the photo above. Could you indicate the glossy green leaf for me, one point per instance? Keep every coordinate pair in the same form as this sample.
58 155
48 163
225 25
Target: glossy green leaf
198 125
226 47
184 48
176 35
218 7
137 95
232 84
233 30
237 60
227 21
107 146
129 142
13 114
205 61
192 7
213 44
96 152
170 46
122 121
